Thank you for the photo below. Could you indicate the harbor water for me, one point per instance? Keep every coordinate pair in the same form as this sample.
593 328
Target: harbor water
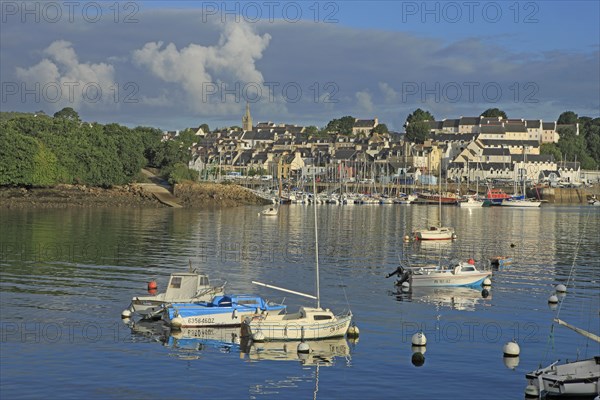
66 275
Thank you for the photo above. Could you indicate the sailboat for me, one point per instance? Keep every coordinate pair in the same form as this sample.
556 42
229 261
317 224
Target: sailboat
524 201
578 378
438 232
309 323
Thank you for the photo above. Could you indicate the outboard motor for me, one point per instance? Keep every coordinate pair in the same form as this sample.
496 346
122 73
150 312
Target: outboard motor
403 278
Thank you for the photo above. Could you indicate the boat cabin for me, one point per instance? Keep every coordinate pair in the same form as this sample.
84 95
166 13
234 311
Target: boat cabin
185 285
316 314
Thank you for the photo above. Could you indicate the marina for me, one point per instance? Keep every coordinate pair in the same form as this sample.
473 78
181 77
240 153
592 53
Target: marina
62 298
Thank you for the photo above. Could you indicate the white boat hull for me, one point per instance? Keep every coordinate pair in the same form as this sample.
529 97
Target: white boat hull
441 233
579 378
436 279
521 203
295 327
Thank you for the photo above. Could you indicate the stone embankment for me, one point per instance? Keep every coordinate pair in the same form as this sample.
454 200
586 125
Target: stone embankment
192 195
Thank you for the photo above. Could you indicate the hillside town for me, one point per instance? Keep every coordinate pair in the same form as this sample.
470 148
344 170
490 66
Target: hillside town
464 149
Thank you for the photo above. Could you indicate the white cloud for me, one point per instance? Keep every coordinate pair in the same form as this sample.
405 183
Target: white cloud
205 72
365 101
389 93
64 81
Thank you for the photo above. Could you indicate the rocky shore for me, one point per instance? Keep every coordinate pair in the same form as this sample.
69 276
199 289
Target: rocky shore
189 195
66 196
192 195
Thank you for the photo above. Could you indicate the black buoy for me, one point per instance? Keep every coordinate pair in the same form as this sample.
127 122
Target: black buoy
513 245
485 293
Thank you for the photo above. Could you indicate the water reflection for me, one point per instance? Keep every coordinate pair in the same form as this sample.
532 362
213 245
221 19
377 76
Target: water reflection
188 341
322 352
459 298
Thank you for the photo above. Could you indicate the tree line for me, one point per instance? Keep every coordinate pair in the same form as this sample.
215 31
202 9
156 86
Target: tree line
37 150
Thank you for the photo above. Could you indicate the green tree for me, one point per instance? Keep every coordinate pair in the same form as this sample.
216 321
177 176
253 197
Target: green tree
567 118
418 131
551 148
494 112
419 115
381 129
342 125
16 158
311 130
205 128
67 113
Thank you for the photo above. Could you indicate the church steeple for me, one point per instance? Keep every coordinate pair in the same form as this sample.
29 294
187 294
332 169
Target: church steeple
247 119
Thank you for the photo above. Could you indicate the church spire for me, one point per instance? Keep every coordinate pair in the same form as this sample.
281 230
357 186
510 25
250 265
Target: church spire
247 119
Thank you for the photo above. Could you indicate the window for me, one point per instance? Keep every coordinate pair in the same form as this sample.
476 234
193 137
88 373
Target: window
321 317
175 282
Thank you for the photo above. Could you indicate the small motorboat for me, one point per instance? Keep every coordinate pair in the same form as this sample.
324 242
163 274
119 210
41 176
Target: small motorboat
457 273
222 311
269 212
189 286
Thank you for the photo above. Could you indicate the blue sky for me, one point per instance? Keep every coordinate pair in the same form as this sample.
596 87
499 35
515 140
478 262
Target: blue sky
179 64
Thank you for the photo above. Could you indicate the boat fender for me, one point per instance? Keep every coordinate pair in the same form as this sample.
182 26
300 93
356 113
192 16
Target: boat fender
234 314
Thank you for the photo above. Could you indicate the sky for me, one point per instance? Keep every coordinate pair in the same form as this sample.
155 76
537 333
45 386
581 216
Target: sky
179 64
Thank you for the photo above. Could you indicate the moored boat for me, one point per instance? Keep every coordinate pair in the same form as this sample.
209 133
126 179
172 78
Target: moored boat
577 378
222 311
470 202
182 287
455 274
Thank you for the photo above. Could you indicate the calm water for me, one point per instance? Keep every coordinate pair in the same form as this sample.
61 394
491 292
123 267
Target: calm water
66 275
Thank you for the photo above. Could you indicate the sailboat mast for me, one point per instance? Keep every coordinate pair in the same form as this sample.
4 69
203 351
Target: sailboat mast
440 194
316 238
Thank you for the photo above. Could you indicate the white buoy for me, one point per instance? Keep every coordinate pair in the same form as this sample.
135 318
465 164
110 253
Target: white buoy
531 392
560 288
406 238
487 282
511 362
126 314
258 337
454 236
553 306
419 339
303 347
553 299
353 331
405 285
511 349
176 322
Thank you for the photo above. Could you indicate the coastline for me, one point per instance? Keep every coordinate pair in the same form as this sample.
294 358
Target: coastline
189 195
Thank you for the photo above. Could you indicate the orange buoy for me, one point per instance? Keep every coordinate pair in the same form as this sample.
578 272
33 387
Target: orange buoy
152 292
471 261
152 285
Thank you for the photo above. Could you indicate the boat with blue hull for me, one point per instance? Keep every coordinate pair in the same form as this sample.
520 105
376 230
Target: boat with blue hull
222 311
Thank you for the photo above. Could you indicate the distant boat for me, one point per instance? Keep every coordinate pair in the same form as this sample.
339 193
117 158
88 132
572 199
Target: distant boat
437 232
222 311
500 261
470 202
522 203
594 201
269 212
495 196
435 198
456 274
182 287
